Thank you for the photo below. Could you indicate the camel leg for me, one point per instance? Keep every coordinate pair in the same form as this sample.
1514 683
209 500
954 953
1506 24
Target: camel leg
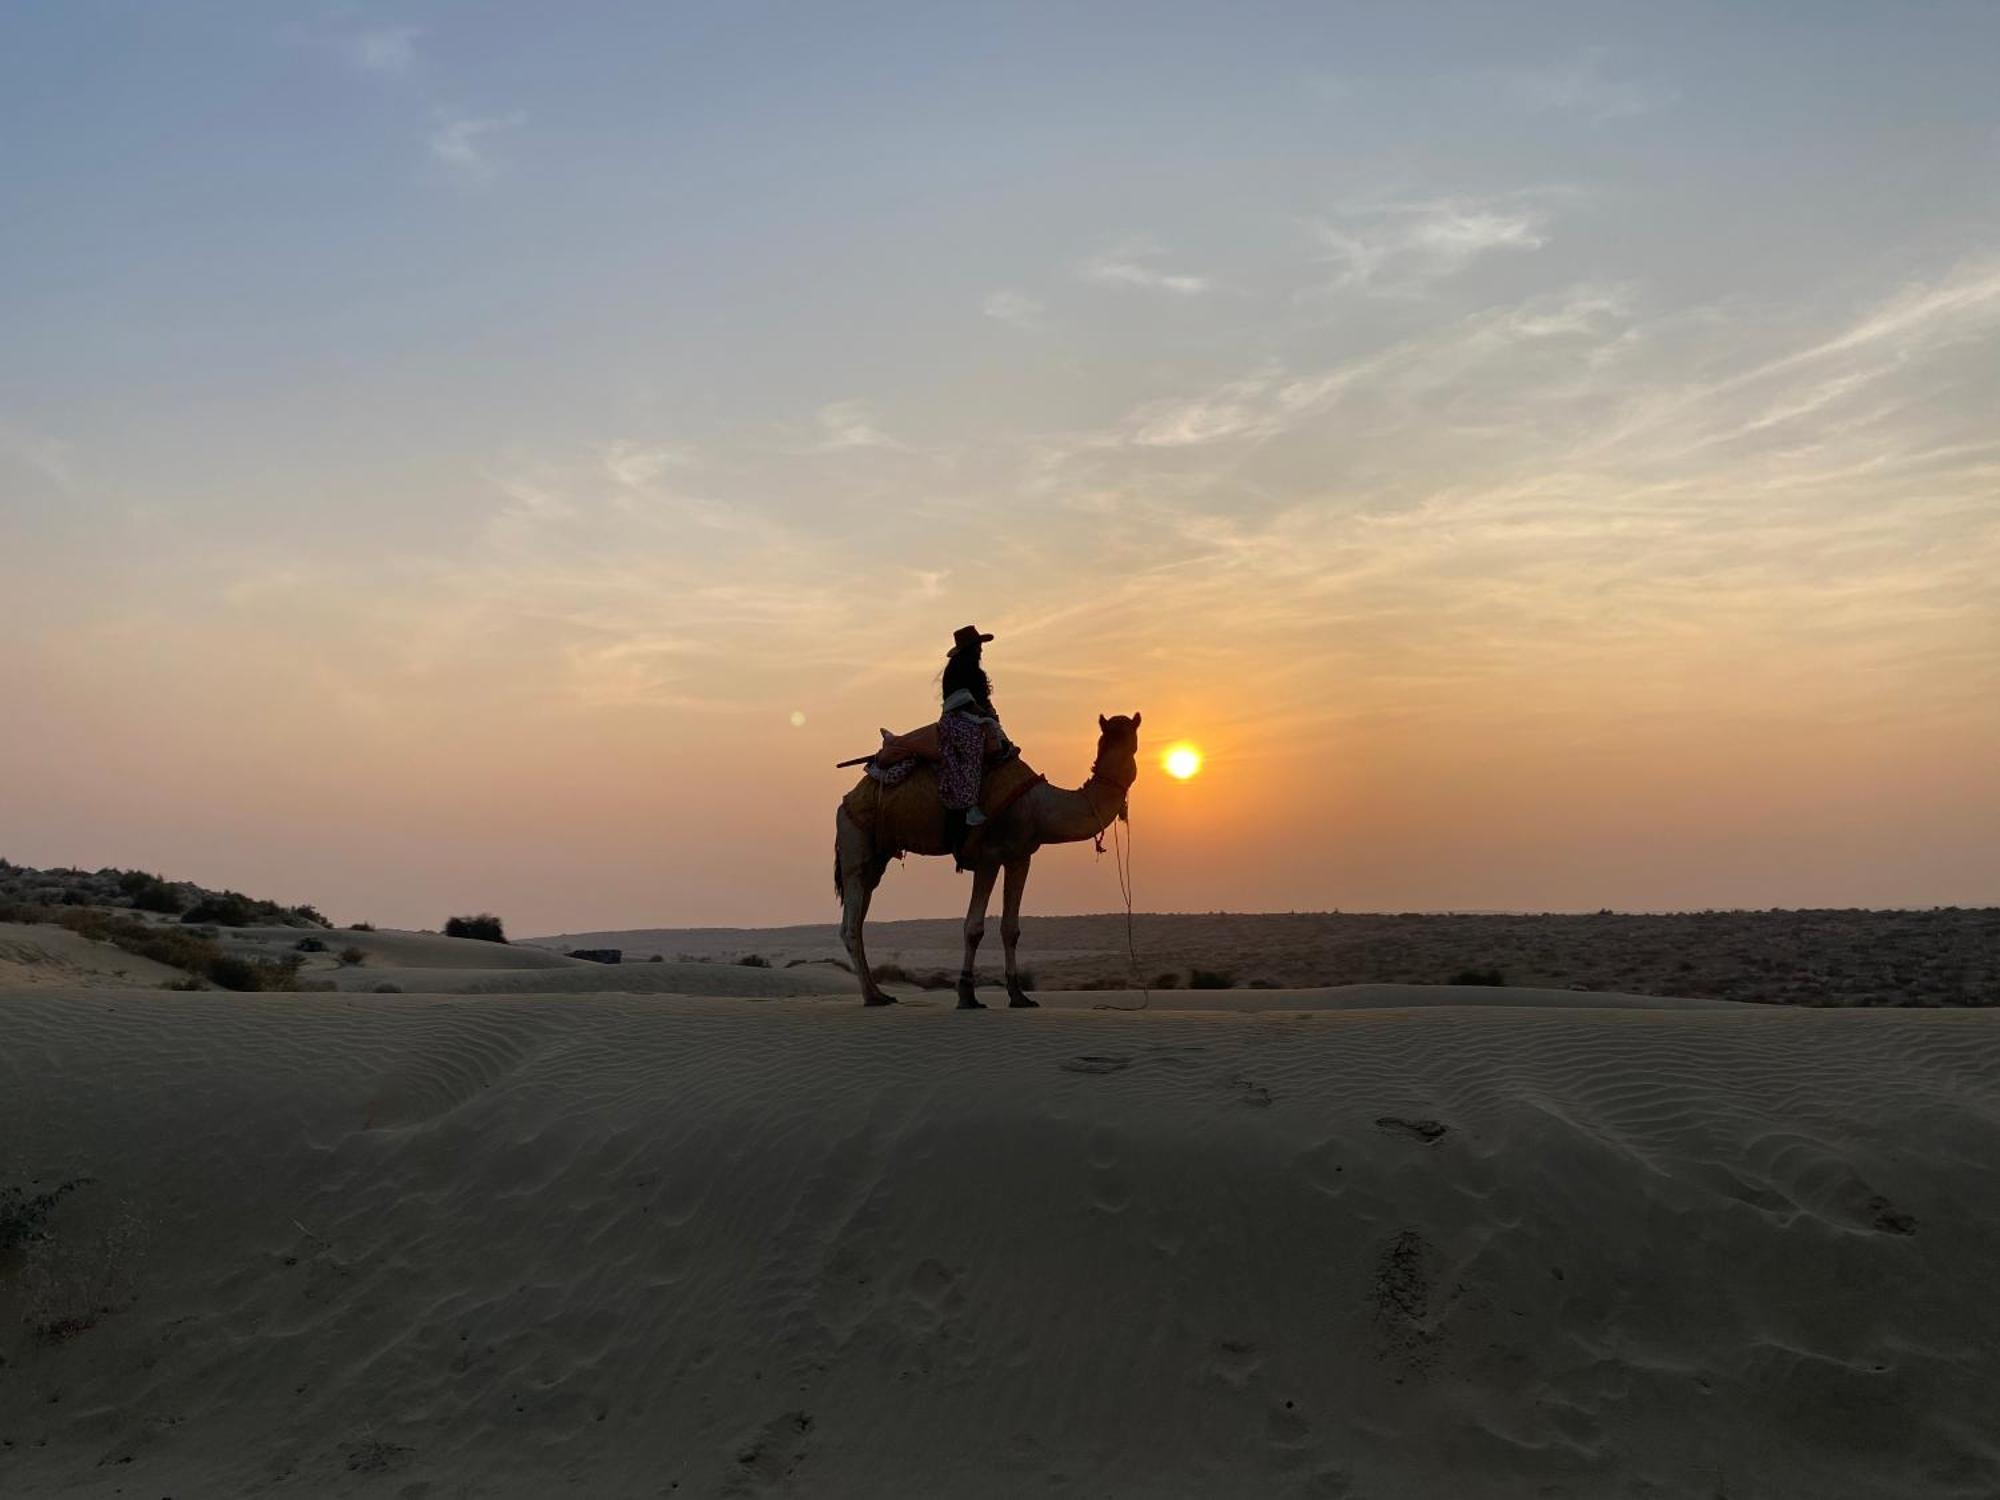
859 872
1010 928
975 929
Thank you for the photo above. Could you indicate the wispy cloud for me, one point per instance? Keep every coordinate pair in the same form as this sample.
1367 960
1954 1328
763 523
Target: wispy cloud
1403 249
1016 308
52 459
850 424
383 49
639 464
459 142
1134 264
1581 85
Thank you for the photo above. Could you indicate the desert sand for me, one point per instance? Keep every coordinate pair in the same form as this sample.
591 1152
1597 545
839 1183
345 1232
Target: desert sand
1379 1241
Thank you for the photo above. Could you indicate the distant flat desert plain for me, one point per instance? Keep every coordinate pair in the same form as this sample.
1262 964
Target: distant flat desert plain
1940 956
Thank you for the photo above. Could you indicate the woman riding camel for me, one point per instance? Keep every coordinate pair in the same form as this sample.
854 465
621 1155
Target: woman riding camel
965 740
969 733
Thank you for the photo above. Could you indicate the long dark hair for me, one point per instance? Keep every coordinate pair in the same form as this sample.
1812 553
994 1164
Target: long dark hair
962 670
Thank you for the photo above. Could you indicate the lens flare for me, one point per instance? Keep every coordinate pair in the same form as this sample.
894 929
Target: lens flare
1181 761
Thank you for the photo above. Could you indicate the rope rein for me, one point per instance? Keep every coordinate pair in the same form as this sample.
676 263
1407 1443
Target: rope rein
1121 861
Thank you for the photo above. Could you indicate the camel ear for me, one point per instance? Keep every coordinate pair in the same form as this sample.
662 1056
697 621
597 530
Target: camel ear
1102 722
1135 720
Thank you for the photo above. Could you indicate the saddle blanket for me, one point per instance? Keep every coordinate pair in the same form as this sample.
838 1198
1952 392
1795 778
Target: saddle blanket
908 817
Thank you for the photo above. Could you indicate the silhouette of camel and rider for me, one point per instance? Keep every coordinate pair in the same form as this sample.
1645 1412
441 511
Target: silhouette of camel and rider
960 787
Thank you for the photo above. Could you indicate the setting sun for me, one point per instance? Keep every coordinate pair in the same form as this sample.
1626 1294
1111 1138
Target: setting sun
1181 761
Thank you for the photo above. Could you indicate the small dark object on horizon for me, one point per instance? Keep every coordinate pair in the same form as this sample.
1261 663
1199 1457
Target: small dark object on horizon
1211 979
1479 976
754 961
599 955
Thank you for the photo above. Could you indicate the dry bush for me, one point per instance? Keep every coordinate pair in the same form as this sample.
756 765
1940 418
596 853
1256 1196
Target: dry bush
72 1280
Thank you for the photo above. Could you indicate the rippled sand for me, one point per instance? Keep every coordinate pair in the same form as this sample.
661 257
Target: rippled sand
1367 1243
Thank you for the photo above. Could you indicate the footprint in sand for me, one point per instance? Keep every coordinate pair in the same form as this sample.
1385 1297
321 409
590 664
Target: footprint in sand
1236 1362
1889 1219
1430 1132
1402 1296
1253 1094
1095 1063
772 1454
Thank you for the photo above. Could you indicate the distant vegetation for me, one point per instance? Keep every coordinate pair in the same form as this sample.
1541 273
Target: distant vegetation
754 961
140 891
486 927
1211 979
1479 976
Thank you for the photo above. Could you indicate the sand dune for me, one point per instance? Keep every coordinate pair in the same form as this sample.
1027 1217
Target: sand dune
35 954
642 1246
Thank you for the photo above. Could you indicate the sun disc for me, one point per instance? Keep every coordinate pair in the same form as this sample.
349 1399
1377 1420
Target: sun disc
1182 761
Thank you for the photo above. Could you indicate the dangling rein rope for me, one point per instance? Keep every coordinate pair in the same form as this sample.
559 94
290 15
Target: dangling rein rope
1121 861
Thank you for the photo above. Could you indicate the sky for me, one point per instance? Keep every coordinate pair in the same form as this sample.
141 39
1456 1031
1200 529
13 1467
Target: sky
499 457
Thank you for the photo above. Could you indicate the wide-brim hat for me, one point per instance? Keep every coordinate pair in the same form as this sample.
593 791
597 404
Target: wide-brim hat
967 638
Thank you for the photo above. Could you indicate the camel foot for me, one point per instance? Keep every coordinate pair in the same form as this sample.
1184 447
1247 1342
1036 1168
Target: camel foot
1019 1000
878 999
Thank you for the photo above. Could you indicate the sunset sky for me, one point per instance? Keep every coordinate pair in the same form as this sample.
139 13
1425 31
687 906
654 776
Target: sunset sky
1545 459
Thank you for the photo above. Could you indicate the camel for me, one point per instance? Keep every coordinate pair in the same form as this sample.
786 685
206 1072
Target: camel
1043 814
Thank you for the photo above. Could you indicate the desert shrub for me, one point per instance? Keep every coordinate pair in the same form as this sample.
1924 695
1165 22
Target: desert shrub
225 909
253 974
310 913
657 959
1479 976
350 956
889 974
754 961
388 989
71 1281
486 927
360 926
310 945
1211 979
189 983
150 893
1166 981
23 1214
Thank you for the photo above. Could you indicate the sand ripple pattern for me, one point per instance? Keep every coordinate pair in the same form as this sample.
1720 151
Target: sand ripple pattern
638 1245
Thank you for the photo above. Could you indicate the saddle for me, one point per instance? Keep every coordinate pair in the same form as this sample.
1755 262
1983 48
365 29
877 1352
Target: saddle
908 818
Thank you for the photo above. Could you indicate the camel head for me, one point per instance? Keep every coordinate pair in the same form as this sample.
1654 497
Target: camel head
1117 749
